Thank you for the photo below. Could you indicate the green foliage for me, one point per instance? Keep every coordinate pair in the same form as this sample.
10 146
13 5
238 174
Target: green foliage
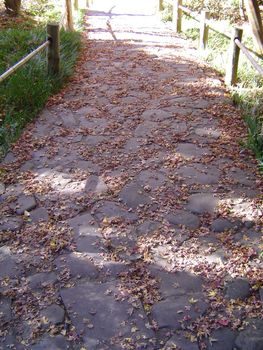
192 33
255 138
26 92
16 43
43 10
249 93
167 13
217 53
251 102
223 9
37 7
220 10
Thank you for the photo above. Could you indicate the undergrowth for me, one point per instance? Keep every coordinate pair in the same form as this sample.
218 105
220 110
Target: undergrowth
251 102
248 94
25 92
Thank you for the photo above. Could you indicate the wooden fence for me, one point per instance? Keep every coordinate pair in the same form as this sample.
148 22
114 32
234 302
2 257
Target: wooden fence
205 24
53 56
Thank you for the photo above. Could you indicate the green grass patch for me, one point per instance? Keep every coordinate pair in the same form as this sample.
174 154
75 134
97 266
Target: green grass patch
251 102
25 92
167 13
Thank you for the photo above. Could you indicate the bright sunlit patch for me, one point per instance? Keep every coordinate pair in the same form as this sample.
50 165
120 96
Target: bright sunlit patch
242 208
60 182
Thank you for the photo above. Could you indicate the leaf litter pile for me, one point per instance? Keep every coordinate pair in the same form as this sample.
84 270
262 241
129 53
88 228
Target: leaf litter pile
131 217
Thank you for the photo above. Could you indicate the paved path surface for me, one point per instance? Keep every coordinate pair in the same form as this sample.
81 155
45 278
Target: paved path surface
131 216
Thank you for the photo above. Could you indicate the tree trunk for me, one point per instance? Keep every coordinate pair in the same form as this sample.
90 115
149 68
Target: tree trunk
69 16
255 21
13 6
242 10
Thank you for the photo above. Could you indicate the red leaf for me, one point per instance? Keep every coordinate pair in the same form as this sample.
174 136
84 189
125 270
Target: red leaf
223 322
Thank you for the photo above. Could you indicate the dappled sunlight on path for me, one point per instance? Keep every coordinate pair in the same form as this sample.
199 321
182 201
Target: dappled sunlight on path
124 8
133 219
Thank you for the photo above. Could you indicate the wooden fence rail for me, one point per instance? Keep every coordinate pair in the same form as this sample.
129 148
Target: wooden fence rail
53 57
205 25
249 57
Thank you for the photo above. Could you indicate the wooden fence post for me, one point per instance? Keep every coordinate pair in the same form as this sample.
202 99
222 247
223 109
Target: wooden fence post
53 48
76 5
232 67
89 3
160 5
204 28
177 15
254 17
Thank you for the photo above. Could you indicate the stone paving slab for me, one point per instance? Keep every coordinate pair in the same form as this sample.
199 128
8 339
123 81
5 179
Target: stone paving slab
134 219
41 279
172 313
78 265
98 315
223 338
53 314
134 195
111 210
185 218
181 342
9 267
198 174
55 343
200 203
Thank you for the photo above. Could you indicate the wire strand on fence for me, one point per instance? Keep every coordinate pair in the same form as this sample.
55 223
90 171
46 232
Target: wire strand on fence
245 51
23 61
209 22
191 13
212 27
228 36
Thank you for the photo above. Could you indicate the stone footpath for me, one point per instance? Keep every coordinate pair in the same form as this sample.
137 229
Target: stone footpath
131 218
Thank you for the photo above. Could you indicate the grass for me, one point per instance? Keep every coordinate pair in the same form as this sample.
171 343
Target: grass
25 93
251 102
248 94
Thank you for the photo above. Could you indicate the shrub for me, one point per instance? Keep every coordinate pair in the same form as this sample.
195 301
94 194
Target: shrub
26 91
223 9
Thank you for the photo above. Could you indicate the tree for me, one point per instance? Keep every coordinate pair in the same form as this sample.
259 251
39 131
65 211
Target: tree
13 6
68 15
242 9
253 13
